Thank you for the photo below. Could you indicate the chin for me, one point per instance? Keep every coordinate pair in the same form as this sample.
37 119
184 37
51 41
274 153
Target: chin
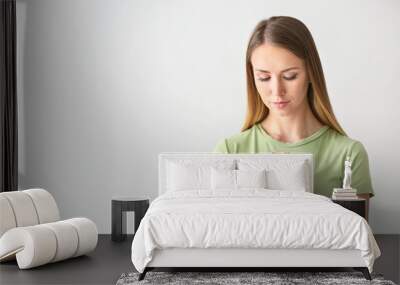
281 112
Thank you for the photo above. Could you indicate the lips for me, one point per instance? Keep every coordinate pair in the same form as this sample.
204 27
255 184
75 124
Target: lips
280 104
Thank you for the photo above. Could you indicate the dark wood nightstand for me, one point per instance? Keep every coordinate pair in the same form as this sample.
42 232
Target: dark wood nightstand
119 207
356 205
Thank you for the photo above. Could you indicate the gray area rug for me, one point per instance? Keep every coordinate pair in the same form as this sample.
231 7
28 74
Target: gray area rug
225 278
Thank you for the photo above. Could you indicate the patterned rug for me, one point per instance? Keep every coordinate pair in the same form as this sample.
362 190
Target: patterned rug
229 278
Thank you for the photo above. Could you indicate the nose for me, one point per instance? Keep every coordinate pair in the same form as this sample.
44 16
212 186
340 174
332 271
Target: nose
277 88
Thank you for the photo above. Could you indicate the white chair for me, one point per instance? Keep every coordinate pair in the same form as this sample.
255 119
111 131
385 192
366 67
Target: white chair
32 233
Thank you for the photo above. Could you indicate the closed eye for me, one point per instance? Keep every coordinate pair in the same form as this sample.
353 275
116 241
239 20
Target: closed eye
286 78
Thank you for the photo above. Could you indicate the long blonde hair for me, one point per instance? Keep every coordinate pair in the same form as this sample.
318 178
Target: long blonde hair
291 34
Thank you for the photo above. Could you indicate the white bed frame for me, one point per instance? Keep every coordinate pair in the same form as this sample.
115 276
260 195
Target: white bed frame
249 257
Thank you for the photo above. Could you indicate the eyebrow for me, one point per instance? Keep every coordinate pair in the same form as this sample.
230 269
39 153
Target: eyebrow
293 67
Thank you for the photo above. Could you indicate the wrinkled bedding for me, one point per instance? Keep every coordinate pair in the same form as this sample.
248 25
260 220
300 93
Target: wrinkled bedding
250 218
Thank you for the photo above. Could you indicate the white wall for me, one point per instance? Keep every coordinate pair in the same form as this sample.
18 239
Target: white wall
107 85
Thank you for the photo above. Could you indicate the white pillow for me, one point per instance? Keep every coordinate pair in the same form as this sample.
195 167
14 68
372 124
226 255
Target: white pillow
294 178
251 178
223 179
237 179
187 174
281 174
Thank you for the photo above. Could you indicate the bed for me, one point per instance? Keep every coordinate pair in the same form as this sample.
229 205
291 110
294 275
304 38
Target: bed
245 211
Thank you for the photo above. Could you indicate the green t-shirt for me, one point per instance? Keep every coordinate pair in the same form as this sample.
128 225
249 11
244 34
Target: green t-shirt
329 149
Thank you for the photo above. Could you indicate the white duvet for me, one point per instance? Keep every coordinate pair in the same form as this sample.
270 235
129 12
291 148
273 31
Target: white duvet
250 218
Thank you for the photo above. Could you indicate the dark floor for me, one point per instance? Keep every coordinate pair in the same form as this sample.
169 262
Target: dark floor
102 266
111 259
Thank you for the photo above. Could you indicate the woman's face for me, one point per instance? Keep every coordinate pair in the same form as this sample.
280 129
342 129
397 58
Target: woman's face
280 78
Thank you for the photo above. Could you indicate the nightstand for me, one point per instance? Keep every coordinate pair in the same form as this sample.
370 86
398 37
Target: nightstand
356 205
119 207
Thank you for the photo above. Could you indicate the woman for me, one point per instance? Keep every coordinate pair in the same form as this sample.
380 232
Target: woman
289 108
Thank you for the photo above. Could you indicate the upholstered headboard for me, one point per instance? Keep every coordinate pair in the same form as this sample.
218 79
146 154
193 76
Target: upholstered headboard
268 158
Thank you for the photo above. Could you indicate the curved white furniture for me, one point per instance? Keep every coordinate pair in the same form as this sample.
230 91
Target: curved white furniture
32 233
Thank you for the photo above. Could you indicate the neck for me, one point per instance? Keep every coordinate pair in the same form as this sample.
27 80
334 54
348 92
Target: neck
291 128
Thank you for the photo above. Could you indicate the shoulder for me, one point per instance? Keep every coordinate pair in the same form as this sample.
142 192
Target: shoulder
337 141
355 150
229 144
242 137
